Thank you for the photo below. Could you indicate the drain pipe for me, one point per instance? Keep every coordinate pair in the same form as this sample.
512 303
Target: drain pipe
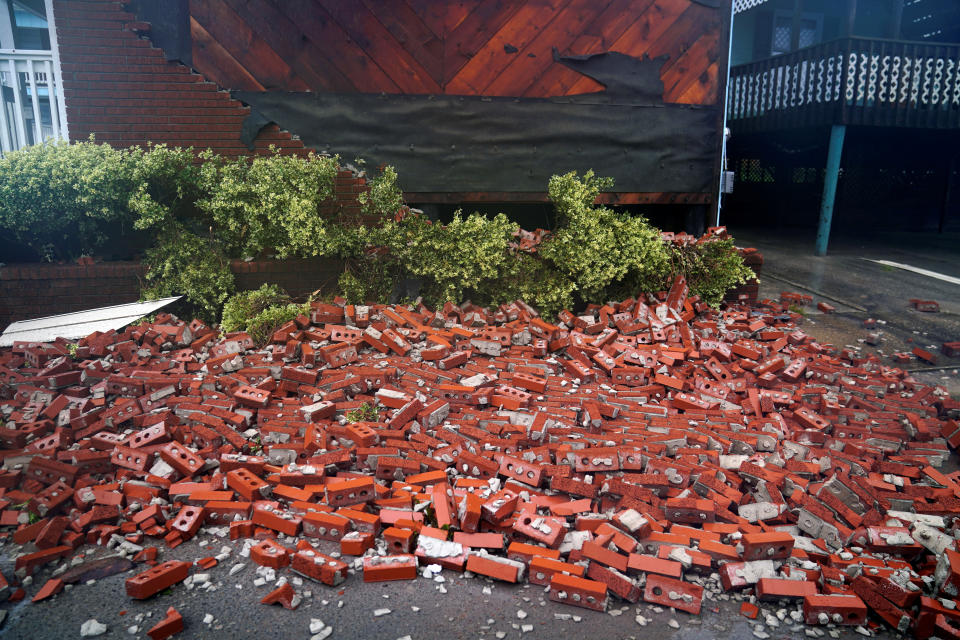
723 132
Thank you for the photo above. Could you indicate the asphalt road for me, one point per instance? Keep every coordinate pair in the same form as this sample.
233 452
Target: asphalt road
471 608
859 288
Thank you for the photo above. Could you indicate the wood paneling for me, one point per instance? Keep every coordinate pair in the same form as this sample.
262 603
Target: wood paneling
456 47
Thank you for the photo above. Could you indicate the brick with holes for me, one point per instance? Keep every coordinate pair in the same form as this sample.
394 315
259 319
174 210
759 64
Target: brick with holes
389 567
596 459
545 529
272 517
669 592
325 526
541 570
156 579
157 434
847 610
499 506
51 500
248 484
689 510
775 545
188 521
310 563
526 472
398 540
339 354
223 512
181 458
269 553
578 592
350 492
252 396
322 410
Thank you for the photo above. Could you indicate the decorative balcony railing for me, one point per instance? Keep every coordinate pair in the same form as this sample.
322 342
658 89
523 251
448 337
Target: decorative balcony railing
31 101
854 81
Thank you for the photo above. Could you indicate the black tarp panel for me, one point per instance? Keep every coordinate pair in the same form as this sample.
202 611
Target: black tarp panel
470 144
635 79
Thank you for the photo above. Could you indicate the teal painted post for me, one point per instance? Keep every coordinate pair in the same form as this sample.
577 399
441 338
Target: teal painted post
830 187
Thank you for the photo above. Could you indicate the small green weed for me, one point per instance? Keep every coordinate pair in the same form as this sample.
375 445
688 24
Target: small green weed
364 413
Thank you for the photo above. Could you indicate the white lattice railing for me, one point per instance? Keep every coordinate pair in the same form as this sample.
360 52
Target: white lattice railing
855 81
30 99
742 5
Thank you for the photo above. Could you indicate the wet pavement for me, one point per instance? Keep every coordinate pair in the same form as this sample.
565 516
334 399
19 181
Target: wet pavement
850 280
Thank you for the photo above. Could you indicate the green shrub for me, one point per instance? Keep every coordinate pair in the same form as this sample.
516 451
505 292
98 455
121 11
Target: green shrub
596 247
270 203
186 264
263 325
453 258
712 268
384 198
244 305
166 188
369 278
532 280
595 254
260 312
245 207
65 200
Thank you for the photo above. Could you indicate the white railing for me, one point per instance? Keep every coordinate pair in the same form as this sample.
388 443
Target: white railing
739 6
31 100
853 81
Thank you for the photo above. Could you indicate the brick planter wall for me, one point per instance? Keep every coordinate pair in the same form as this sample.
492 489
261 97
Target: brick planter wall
38 290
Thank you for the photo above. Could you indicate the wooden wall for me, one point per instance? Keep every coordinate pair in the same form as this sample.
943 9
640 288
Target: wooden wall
458 47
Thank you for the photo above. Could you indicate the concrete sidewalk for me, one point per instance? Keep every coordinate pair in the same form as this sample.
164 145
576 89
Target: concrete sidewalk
849 279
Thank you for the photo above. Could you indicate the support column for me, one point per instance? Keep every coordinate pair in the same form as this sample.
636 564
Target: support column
830 187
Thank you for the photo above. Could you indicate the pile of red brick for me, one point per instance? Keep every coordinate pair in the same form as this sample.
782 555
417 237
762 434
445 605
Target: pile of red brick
632 451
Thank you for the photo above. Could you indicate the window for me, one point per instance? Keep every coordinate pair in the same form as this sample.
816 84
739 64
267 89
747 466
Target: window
23 25
811 31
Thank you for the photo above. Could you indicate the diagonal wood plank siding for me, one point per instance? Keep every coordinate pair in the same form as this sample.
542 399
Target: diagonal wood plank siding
457 47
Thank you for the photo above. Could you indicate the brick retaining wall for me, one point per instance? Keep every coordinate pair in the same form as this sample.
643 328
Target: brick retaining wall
38 290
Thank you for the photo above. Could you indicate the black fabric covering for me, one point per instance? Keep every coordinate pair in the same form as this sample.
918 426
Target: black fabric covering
252 125
637 79
457 143
443 143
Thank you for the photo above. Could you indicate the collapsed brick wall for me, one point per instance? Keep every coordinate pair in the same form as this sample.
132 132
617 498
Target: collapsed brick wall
121 88
38 290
